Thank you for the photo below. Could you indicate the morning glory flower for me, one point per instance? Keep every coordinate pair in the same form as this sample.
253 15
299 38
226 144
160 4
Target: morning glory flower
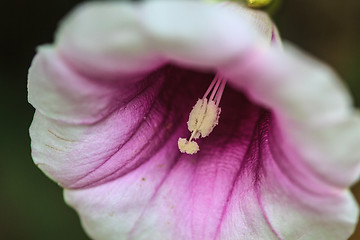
113 96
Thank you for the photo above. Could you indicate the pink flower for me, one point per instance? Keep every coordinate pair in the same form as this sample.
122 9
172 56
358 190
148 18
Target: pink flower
113 96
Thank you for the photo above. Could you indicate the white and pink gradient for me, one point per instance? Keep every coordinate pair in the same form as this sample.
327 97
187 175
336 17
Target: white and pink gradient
113 96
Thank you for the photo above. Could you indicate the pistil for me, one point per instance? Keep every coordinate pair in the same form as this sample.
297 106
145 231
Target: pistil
204 116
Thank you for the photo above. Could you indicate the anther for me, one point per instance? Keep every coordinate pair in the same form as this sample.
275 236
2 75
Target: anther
204 116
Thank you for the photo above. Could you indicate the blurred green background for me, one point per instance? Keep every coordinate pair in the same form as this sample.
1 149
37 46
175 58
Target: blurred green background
31 206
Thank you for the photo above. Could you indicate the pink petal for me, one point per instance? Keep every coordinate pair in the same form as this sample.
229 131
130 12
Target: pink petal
83 155
314 113
72 83
61 93
241 190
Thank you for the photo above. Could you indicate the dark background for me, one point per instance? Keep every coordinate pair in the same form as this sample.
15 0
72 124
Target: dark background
31 206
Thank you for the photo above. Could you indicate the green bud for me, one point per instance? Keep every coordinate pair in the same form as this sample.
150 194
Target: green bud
258 3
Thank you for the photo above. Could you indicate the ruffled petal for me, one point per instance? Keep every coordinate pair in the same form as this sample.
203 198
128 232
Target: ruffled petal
94 77
59 92
103 49
318 126
139 37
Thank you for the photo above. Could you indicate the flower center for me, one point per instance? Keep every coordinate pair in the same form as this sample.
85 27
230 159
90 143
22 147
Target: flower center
204 116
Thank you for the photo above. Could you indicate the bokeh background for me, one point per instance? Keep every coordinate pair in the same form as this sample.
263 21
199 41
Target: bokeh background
31 206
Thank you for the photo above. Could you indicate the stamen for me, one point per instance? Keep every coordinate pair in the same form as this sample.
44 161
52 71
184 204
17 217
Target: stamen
220 92
216 78
204 116
215 90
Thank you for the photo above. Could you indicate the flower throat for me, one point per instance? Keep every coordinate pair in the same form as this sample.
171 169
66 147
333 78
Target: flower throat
204 116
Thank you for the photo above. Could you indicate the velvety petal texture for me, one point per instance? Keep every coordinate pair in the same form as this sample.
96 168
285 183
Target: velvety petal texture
112 97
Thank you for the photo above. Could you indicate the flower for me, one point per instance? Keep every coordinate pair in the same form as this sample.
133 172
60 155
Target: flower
112 98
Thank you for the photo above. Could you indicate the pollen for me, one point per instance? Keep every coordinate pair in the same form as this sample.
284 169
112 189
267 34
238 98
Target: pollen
204 116
188 147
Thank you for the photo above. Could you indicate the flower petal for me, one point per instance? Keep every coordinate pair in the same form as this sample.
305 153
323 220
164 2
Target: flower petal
314 112
71 83
132 39
150 204
238 191
61 93
101 42
86 155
